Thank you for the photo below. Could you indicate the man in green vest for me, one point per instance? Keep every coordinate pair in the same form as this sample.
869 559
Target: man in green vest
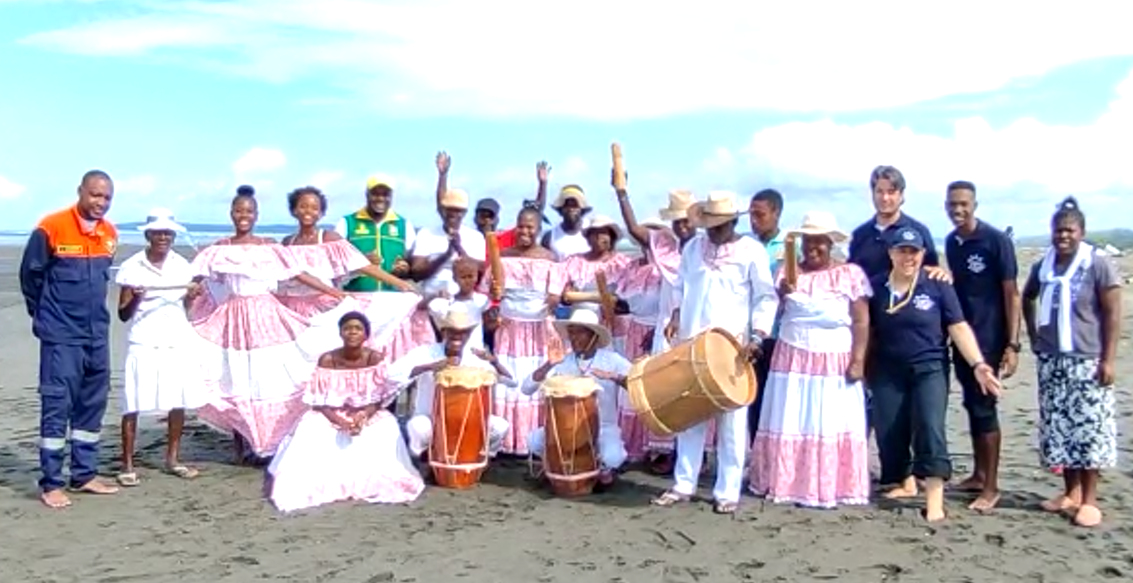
381 234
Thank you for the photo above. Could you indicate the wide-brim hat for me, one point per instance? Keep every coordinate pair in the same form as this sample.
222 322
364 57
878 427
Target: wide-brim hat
679 203
588 319
458 318
160 219
719 208
454 198
568 192
602 222
821 223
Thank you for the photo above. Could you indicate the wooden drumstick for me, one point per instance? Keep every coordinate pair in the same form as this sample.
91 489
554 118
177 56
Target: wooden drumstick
496 264
619 166
790 260
607 300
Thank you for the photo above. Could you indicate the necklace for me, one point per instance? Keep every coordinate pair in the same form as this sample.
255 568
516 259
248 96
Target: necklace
895 307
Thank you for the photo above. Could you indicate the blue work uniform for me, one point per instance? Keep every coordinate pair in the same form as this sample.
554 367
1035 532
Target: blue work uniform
869 245
64 276
980 264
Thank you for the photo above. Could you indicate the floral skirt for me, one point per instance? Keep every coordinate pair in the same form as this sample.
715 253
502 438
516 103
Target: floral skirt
1077 418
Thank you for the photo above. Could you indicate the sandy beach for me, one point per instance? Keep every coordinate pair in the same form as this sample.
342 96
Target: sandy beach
220 528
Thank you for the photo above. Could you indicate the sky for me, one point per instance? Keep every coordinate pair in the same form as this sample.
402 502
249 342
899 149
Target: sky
181 101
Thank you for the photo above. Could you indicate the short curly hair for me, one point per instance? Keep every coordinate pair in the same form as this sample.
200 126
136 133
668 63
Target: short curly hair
295 195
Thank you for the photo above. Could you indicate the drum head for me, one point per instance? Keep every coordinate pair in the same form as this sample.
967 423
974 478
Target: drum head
469 377
733 374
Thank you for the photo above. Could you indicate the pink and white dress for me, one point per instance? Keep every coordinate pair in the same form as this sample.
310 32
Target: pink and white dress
396 325
579 273
252 365
812 446
523 340
318 464
641 289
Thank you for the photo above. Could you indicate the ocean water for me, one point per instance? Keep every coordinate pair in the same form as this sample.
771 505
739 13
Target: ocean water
195 239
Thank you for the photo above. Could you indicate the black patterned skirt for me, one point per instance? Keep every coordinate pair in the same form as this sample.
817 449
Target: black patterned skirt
1077 419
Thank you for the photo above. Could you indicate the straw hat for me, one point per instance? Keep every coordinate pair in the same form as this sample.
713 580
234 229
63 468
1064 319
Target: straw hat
585 318
568 192
160 219
454 198
602 222
458 318
679 203
821 223
719 208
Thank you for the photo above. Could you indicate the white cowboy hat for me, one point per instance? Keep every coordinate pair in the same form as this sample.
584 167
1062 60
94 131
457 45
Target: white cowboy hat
719 208
588 319
160 219
457 318
602 222
821 223
454 198
679 203
568 192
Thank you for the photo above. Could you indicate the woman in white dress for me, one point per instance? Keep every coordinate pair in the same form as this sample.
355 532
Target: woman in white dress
155 286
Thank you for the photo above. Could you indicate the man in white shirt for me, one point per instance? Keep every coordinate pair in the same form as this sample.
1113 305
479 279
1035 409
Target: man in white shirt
724 281
436 248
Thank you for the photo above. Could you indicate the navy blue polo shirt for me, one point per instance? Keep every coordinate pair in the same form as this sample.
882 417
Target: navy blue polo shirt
869 246
917 332
980 263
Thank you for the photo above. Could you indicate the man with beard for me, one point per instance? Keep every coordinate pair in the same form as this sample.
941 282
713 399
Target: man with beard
381 234
983 265
63 277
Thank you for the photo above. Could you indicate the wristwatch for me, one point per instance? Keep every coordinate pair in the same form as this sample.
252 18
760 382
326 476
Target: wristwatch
1015 347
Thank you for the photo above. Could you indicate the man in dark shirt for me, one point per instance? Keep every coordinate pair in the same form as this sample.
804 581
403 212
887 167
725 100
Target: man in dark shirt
869 243
63 277
982 261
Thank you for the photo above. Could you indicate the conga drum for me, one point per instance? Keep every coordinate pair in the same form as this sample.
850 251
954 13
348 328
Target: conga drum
462 401
691 382
570 456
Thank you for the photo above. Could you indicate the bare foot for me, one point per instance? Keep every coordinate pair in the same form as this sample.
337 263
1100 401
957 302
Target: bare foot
1061 503
934 514
1088 516
899 492
96 486
985 502
55 499
972 484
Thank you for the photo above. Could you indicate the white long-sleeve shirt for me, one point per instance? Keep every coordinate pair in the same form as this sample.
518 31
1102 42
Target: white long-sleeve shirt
605 360
401 371
727 286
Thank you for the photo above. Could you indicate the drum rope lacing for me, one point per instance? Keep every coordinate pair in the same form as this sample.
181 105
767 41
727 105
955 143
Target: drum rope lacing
450 458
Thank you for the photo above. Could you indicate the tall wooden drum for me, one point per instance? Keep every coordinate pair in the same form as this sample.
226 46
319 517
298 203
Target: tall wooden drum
462 401
691 382
570 456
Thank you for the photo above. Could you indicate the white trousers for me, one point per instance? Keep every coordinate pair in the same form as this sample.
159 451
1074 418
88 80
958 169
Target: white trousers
731 446
420 430
611 450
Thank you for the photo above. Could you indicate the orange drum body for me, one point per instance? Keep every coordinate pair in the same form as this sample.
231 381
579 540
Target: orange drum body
570 457
691 382
462 402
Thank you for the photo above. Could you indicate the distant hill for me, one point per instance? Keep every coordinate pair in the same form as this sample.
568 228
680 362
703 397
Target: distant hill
1120 238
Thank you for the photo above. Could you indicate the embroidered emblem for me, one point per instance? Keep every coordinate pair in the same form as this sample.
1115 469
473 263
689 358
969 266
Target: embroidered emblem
362 229
392 230
908 236
976 263
923 302
111 245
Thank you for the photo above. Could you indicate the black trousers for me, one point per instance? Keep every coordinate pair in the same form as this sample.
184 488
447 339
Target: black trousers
909 409
983 410
762 369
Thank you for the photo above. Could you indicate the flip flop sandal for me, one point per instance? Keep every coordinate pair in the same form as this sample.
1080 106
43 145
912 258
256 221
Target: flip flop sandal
669 498
721 507
127 479
183 472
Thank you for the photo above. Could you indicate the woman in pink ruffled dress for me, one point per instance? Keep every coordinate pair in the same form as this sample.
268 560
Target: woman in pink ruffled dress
327 256
251 361
580 270
525 335
348 446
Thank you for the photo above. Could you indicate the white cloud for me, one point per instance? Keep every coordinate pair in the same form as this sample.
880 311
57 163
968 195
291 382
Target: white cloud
616 60
326 179
143 185
10 190
257 162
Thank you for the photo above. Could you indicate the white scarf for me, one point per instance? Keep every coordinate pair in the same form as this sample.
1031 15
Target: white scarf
1083 259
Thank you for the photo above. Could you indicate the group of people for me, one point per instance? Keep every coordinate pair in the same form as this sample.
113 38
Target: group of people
301 348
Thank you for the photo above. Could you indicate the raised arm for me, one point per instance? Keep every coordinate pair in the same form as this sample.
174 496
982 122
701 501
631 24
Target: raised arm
33 268
542 174
638 232
444 162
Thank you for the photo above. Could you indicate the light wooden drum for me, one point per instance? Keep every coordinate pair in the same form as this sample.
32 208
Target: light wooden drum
692 381
570 457
462 401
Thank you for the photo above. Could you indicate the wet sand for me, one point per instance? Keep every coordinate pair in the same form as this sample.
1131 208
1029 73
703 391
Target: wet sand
219 527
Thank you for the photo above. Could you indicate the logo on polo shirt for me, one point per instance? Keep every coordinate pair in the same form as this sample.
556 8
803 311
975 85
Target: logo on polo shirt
976 263
923 302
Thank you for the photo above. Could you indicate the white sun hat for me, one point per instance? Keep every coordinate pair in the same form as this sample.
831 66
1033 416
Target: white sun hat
161 219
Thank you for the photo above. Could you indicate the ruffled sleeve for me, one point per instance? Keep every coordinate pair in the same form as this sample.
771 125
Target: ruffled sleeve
263 262
357 387
338 258
665 252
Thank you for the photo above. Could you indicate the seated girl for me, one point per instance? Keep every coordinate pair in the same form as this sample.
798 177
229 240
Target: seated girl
348 446
590 356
